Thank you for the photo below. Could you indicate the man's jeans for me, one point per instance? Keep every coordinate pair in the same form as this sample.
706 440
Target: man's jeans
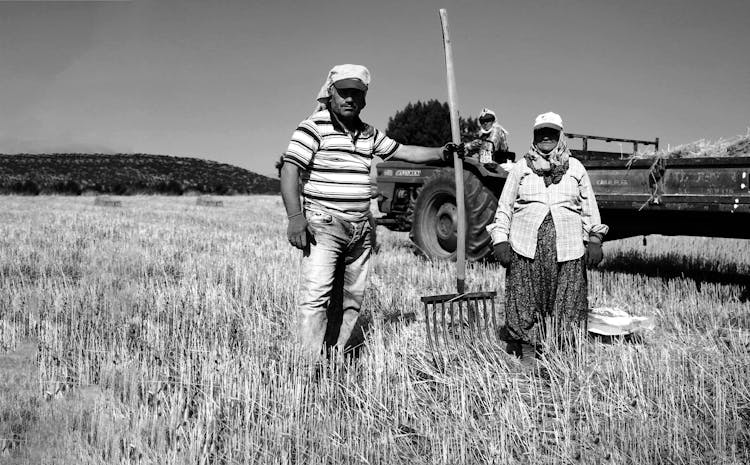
341 246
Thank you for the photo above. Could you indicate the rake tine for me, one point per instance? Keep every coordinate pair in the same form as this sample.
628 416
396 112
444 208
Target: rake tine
441 333
466 322
434 329
469 325
485 316
482 317
474 315
427 323
491 318
455 331
470 317
462 323
486 320
479 317
445 332
431 329
460 319
494 319
447 323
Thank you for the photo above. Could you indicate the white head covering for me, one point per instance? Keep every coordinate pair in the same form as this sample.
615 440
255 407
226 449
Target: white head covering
548 120
560 154
487 112
348 73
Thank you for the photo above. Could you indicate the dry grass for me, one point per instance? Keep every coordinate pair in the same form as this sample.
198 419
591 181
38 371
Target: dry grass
165 336
737 146
209 202
105 201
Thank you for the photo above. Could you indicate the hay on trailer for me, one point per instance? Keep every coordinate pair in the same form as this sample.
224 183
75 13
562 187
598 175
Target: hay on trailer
209 202
104 201
737 146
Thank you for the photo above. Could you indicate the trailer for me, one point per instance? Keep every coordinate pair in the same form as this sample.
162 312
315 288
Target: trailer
701 196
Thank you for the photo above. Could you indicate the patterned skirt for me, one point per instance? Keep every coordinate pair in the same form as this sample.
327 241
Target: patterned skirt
542 295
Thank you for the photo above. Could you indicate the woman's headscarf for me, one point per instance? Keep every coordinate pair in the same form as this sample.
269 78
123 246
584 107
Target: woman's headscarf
553 165
486 112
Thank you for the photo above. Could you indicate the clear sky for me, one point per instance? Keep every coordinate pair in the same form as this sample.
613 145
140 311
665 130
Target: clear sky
230 80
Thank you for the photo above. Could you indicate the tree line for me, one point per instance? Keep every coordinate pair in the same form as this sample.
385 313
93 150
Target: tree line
125 174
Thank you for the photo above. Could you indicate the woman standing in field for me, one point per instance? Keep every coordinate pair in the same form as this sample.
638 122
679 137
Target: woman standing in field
547 229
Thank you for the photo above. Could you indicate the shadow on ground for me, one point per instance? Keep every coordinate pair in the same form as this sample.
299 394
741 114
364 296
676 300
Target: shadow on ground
678 266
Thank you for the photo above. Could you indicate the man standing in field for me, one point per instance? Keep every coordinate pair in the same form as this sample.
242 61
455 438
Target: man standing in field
331 153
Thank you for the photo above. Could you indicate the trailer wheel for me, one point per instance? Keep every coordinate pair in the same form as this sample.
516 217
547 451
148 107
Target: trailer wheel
436 216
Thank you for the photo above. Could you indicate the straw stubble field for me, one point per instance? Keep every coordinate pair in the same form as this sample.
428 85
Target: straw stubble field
165 335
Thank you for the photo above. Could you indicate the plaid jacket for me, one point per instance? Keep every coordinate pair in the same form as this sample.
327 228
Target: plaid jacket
525 201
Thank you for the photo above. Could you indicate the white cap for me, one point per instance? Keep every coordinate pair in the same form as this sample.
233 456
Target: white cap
548 120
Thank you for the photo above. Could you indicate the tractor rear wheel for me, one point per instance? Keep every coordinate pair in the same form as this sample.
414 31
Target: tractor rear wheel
435 223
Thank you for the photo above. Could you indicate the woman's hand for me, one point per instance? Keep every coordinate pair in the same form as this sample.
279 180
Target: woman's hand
504 253
593 255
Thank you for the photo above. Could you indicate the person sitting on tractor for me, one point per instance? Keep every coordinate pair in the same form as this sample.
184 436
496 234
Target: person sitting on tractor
492 138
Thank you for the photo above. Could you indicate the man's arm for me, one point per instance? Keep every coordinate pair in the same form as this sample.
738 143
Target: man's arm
296 230
290 188
417 154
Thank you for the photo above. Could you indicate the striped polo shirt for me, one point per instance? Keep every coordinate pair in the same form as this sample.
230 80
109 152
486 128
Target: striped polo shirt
335 165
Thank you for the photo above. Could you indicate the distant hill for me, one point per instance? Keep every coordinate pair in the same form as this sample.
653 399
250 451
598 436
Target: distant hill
124 174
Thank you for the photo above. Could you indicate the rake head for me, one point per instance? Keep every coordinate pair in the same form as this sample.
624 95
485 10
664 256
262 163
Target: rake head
460 320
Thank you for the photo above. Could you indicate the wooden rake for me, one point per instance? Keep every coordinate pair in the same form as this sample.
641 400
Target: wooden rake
462 319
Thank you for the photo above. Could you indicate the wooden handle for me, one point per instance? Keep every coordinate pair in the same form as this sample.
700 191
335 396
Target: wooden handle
457 162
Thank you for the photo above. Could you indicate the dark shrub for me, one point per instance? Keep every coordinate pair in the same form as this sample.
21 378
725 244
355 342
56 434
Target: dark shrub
72 187
119 189
29 187
174 187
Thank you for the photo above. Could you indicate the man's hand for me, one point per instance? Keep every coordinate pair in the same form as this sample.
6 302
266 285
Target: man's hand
297 231
450 148
504 253
593 255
